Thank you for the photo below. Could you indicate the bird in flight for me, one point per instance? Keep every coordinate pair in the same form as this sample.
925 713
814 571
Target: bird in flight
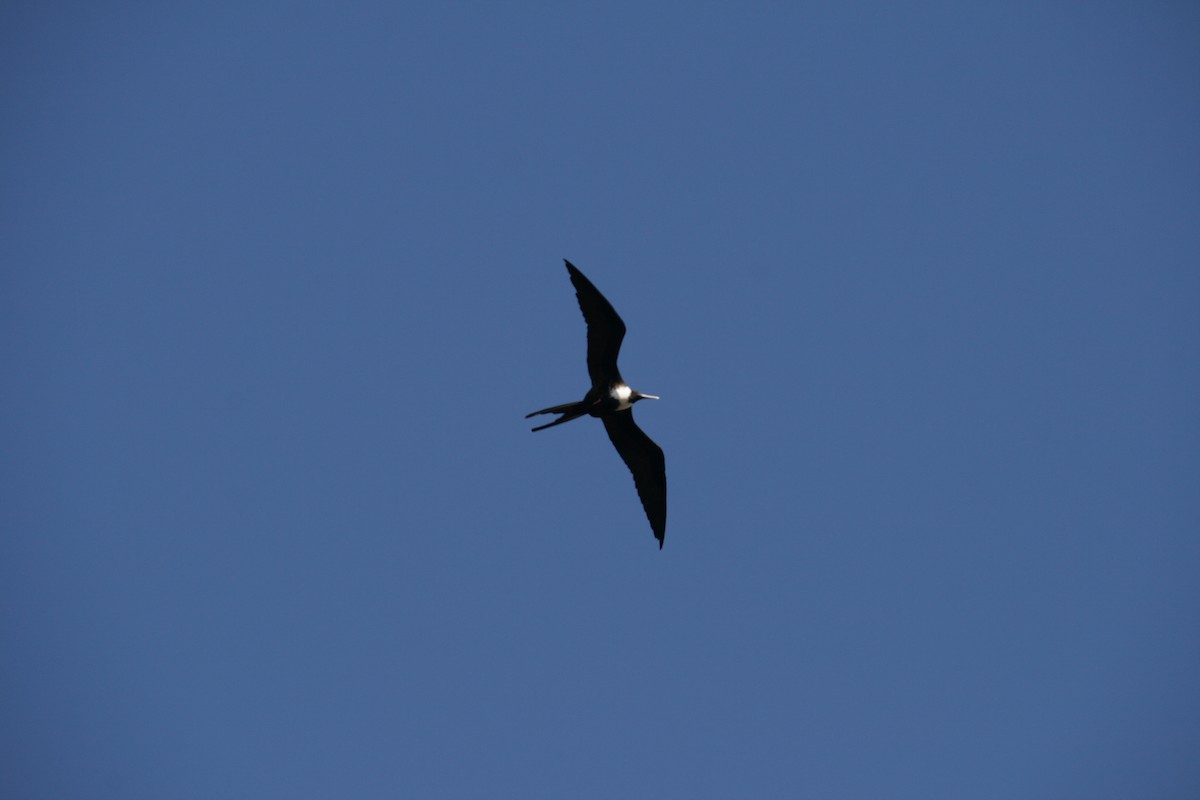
611 399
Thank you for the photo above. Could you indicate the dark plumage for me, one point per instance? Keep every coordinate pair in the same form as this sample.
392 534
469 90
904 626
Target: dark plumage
611 399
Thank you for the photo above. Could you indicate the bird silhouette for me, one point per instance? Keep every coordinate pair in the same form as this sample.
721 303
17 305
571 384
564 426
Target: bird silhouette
611 399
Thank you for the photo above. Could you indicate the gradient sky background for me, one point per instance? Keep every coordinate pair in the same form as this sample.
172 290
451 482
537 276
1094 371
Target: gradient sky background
919 285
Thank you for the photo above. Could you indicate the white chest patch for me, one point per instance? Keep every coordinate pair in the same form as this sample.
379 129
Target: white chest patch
622 393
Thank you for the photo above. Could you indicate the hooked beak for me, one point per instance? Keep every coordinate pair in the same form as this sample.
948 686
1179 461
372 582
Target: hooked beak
648 396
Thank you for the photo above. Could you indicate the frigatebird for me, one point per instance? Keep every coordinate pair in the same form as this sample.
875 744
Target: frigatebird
611 399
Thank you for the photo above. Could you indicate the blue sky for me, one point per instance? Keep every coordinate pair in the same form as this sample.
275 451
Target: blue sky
918 285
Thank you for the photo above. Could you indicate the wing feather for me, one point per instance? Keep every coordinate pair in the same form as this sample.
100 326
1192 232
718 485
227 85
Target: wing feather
605 331
645 460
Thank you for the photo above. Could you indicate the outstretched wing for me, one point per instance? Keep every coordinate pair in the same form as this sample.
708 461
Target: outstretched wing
605 330
645 460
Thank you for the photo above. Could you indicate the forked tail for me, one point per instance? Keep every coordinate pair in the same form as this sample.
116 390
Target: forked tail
569 412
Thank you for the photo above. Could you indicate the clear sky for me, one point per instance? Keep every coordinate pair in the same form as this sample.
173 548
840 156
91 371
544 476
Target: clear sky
918 283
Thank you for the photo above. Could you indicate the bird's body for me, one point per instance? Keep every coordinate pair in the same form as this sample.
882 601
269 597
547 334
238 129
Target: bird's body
611 400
